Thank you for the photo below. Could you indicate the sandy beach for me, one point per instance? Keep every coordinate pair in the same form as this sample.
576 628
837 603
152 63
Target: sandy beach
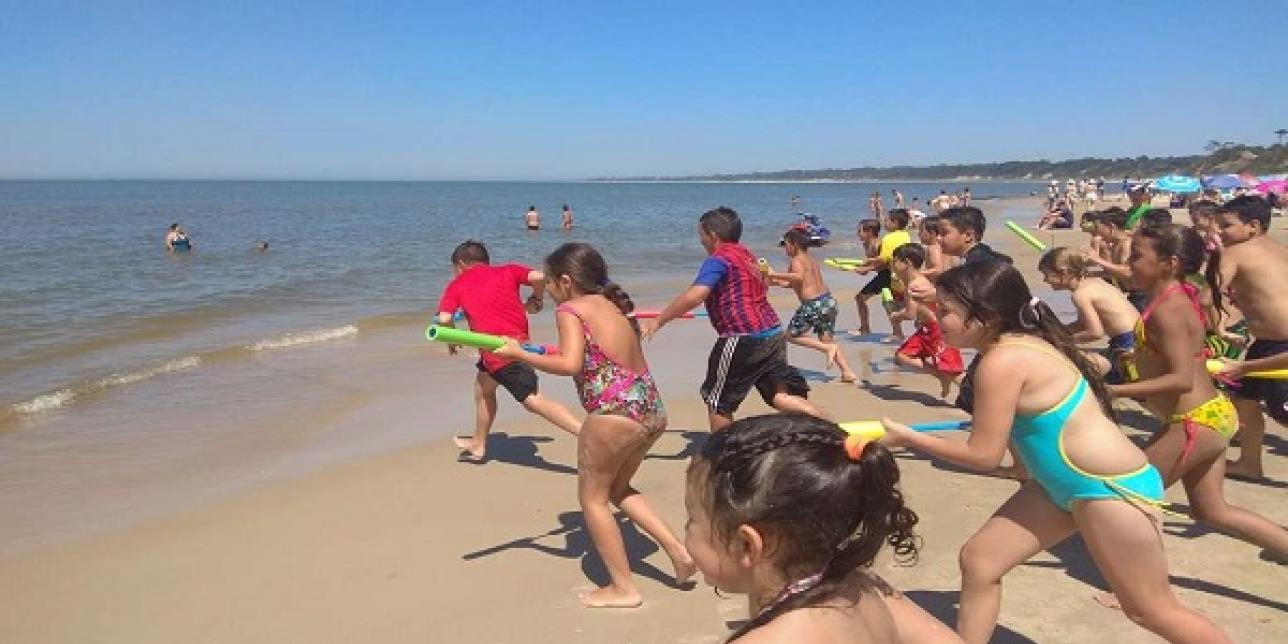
408 545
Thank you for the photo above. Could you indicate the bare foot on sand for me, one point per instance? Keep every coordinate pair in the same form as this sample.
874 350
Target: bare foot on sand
684 567
861 331
848 377
609 597
893 338
1108 600
1239 470
945 385
467 445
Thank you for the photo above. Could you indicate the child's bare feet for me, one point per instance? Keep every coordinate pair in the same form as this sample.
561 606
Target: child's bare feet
467 445
1238 469
861 331
945 386
610 597
893 338
1108 600
849 376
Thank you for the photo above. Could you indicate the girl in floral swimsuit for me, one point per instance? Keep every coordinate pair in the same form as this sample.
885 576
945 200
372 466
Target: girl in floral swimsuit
599 346
1175 386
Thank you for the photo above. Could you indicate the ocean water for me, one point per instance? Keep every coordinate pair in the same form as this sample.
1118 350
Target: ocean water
92 303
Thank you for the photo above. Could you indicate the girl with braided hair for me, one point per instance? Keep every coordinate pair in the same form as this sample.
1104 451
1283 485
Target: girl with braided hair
599 346
1037 391
790 511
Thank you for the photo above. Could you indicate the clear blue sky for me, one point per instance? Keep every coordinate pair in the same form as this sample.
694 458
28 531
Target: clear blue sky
523 90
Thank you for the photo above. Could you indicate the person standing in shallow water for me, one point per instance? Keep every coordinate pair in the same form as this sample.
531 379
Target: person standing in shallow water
177 239
532 219
567 217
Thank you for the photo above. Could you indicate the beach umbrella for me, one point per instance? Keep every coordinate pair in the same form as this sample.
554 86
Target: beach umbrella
1177 183
1224 182
1275 185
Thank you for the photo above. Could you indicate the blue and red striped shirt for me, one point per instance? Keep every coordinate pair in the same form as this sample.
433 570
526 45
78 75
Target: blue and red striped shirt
737 304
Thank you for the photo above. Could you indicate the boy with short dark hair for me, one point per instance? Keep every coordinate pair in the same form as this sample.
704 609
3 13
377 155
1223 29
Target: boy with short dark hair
817 312
1253 267
750 350
961 234
489 296
896 223
925 350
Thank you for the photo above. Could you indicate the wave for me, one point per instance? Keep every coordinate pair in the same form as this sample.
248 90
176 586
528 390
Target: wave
306 337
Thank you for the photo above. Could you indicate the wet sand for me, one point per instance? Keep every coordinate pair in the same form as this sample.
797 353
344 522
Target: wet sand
407 545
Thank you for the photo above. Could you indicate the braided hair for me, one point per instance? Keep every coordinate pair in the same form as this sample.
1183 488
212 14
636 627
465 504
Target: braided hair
790 475
589 273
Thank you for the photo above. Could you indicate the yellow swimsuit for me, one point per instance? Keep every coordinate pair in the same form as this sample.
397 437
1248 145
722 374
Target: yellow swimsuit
1217 413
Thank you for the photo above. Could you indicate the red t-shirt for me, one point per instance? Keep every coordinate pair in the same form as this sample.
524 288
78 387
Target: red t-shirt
489 296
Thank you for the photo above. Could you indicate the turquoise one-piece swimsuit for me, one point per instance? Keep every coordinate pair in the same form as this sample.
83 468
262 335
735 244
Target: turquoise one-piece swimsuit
1039 440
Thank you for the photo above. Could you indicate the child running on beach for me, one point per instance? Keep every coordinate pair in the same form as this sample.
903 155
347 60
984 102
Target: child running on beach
489 296
936 261
925 350
1109 249
1175 385
1103 310
896 223
791 512
817 313
599 347
1039 392
1253 266
750 350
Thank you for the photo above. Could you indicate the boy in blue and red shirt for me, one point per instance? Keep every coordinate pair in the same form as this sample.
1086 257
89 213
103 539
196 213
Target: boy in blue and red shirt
489 296
751 350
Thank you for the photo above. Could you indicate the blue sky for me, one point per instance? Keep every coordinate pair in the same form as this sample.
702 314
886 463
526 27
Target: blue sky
523 90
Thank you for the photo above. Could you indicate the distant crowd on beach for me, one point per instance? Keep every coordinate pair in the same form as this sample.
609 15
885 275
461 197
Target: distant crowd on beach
791 509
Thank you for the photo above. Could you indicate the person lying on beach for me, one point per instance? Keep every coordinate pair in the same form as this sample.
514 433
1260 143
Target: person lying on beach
1174 384
817 312
750 350
791 512
925 350
1253 267
1037 391
1059 216
1102 309
599 346
489 296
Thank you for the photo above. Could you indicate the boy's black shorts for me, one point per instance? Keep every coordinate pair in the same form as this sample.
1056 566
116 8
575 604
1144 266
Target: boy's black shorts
879 281
518 378
738 363
1270 391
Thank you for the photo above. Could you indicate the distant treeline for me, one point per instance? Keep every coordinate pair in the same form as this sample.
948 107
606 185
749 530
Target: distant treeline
1227 158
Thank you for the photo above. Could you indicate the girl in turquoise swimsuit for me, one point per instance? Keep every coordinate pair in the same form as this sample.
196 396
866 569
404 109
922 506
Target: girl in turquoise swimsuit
1035 389
599 347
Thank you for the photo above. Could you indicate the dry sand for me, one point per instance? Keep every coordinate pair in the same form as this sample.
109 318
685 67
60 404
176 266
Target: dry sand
412 546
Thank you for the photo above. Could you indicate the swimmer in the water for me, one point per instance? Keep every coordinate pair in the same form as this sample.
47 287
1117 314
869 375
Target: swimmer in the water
177 239
532 219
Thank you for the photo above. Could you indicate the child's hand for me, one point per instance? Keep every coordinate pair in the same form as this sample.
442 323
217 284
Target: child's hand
897 434
511 349
649 328
532 305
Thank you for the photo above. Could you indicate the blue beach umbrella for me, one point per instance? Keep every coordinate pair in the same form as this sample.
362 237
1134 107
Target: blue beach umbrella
1177 183
1223 181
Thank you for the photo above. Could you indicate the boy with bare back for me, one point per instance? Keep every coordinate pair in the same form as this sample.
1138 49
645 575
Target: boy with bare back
817 312
925 350
1252 268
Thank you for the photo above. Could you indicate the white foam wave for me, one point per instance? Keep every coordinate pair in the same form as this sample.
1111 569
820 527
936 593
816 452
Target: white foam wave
45 402
151 372
306 337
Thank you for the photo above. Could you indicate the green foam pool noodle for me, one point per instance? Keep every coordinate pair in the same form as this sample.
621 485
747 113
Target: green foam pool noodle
1026 236
887 296
464 338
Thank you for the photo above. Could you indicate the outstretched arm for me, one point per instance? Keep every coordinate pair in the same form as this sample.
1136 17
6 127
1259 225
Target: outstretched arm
685 302
572 348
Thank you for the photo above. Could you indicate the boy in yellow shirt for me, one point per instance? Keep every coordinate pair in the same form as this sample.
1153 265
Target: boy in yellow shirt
896 223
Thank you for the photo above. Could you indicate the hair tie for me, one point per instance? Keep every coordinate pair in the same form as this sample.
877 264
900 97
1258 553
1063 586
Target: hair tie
1034 302
604 282
854 446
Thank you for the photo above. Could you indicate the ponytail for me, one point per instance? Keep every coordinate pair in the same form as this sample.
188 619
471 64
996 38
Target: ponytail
1039 320
617 295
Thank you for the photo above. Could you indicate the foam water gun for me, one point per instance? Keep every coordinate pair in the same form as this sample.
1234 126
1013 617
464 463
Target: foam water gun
873 429
1216 366
1026 236
763 265
486 341
844 263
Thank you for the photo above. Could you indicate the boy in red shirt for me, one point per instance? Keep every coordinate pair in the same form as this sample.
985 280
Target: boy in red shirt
489 295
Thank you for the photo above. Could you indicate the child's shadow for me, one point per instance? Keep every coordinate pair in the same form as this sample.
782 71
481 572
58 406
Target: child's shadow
577 545
522 451
814 376
943 605
893 393
693 442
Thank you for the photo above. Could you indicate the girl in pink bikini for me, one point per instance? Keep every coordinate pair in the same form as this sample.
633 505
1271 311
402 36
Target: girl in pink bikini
599 346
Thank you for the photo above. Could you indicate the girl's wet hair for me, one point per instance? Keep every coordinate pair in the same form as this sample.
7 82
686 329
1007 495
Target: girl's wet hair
789 476
1064 260
589 273
995 294
1190 251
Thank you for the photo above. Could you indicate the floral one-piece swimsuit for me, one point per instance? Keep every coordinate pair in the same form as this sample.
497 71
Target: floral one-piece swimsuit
610 389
